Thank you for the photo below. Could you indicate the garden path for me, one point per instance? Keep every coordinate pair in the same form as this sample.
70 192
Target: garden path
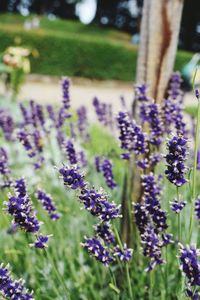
46 89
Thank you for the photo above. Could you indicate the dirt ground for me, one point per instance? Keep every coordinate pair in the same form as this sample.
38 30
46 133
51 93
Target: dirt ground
46 89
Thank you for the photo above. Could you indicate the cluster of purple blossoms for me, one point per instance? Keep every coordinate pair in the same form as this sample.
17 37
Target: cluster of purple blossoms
71 152
72 178
41 241
82 123
106 168
12 289
177 206
97 204
151 221
24 138
82 159
97 161
124 254
103 112
65 90
131 136
175 158
48 204
141 93
98 250
19 206
4 168
155 122
33 145
173 110
190 265
197 208
152 193
6 124
103 230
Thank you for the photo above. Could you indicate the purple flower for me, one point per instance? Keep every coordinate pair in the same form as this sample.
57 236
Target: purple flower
124 254
166 239
19 206
141 93
6 124
20 187
96 202
103 230
106 168
82 159
25 114
72 178
131 136
41 242
197 208
189 264
71 152
197 94
98 163
12 289
192 295
82 122
40 114
97 250
24 138
22 211
177 206
65 91
141 216
177 154
51 113
4 169
48 204
155 158
152 247
38 141
155 122
103 112
143 163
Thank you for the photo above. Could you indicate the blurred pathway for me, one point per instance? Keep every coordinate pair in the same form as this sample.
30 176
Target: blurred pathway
82 91
46 89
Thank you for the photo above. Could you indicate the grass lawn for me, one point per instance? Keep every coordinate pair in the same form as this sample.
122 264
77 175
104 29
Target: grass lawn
73 49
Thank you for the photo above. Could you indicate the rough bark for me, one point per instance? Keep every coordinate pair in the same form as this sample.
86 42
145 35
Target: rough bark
159 38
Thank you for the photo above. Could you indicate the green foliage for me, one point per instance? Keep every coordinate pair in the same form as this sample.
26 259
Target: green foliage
69 47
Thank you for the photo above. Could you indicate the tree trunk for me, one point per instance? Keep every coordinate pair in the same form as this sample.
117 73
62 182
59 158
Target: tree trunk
159 39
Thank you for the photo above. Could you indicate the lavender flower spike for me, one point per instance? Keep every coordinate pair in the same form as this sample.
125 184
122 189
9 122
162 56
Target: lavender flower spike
96 249
190 264
47 203
175 158
65 90
108 174
12 289
124 254
72 178
71 152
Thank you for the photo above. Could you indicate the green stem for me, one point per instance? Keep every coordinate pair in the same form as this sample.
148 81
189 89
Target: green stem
179 216
127 267
57 273
151 285
194 175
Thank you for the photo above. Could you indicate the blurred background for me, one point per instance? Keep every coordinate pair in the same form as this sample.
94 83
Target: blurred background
90 39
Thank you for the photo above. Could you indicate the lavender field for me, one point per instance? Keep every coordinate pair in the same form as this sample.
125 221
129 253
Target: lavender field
72 226
99 150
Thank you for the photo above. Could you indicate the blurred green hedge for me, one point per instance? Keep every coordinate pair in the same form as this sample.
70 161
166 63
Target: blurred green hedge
70 48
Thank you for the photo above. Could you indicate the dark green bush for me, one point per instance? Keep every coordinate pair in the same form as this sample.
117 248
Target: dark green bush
73 49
